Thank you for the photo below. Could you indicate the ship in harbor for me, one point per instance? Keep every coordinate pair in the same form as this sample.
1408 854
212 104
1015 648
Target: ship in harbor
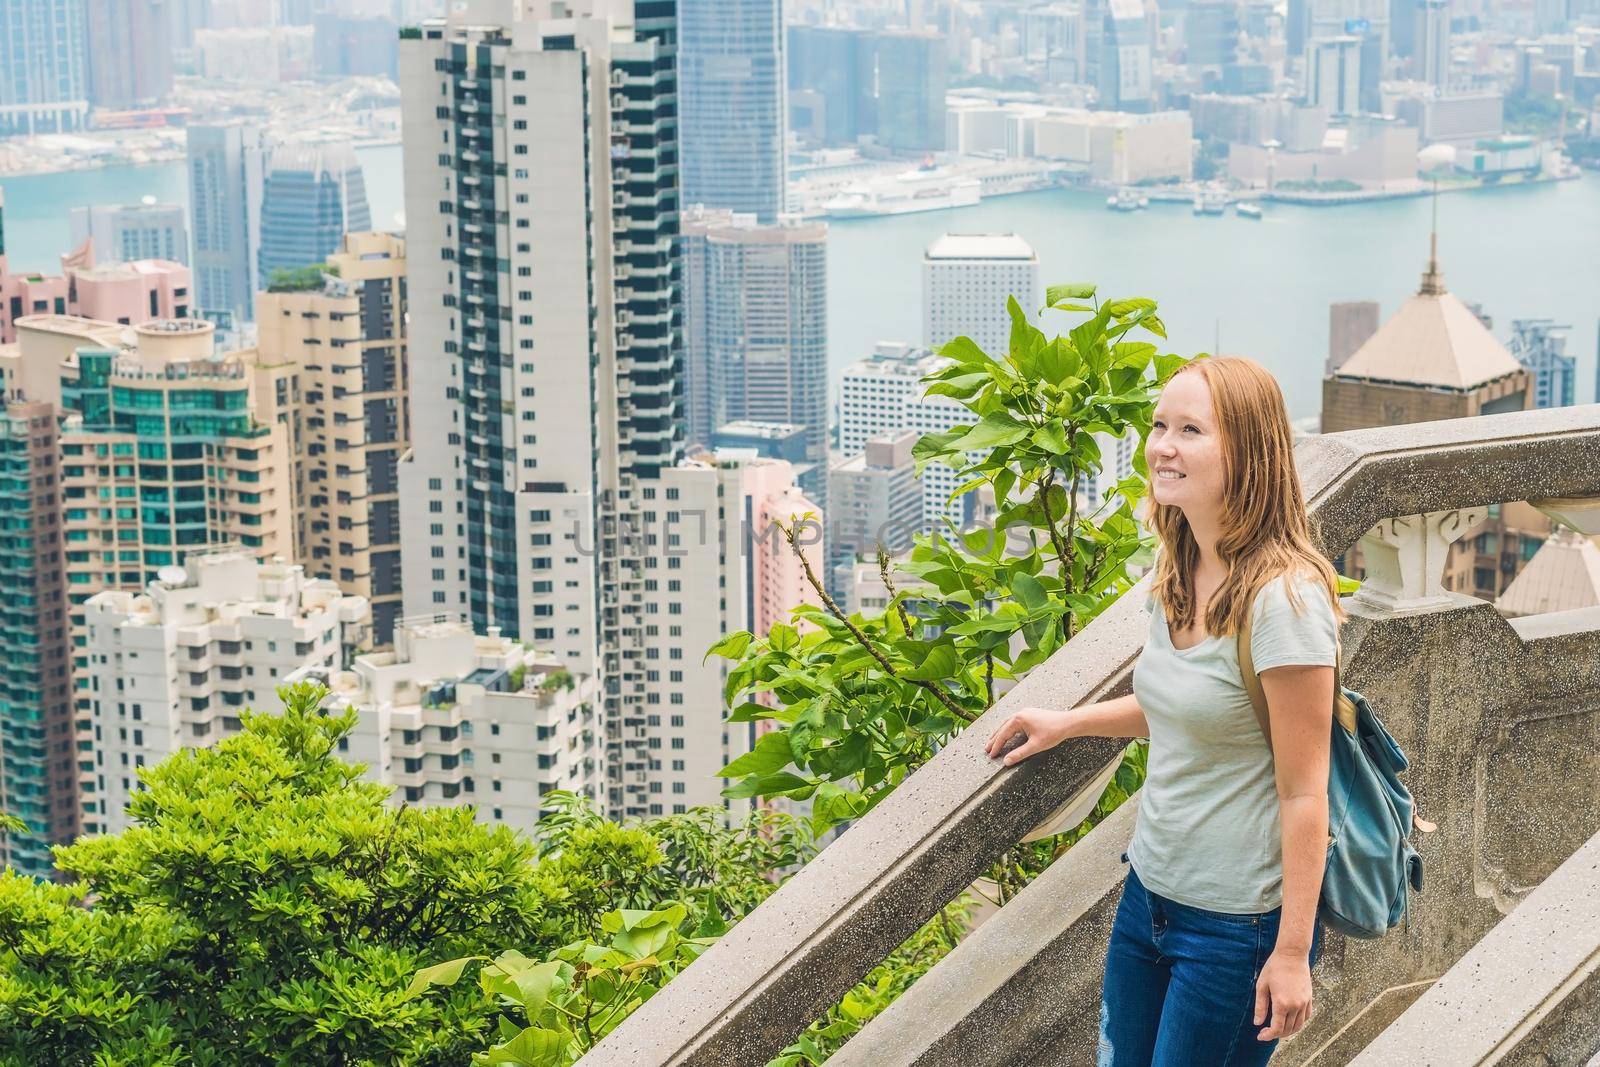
855 189
1126 199
1211 200
923 189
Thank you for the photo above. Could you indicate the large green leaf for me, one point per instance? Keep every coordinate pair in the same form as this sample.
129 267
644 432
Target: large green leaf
1071 291
997 428
732 646
938 665
534 1047
440 974
770 754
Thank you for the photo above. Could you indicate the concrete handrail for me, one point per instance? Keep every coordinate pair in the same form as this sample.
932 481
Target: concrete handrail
784 964
1529 992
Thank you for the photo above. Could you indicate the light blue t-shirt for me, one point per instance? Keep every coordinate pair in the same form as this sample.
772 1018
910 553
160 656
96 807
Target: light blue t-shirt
1208 832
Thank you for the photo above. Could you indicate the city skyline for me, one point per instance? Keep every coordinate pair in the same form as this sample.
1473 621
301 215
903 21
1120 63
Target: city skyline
633 317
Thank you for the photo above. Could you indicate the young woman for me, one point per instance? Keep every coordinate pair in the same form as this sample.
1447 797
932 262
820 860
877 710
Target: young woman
1215 935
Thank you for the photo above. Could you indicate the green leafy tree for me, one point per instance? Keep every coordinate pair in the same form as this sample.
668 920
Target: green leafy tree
860 701
270 907
266 907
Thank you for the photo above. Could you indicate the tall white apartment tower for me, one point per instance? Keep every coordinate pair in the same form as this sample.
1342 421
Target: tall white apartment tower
541 172
966 279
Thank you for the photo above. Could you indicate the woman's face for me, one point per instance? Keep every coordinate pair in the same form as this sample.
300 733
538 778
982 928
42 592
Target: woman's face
1184 449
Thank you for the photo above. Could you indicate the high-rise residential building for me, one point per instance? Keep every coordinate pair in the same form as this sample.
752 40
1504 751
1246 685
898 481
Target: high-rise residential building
313 195
146 230
203 466
225 176
966 281
332 368
756 329
452 717
38 750
174 666
883 394
1433 43
1349 325
547 494
43 80
129 52
1333 74
731 105
911 77
1541 346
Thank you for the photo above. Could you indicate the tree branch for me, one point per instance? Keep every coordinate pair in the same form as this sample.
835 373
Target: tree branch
833 609
883 572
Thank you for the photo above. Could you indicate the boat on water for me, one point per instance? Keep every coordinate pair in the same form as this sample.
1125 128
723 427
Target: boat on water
923 189
1211 201
1126 200
1247 210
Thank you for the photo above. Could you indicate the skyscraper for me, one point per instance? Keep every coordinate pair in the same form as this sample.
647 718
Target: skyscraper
346 408
130 51
1123 54
838 63
546 494
123 233
43 87
966 280
756 329
1433 43
731 102
313 195
38 760
225 171
910 85
1333 74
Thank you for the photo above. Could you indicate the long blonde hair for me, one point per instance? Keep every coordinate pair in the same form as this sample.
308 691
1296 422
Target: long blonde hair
1265 529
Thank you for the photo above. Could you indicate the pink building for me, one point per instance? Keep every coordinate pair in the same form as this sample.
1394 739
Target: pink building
126 293
778 581
131 293
27 294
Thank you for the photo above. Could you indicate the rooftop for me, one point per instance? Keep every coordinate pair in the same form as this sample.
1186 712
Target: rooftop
1433 340
980 246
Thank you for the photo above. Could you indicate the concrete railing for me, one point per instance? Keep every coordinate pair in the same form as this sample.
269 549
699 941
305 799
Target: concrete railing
1527 994
801 950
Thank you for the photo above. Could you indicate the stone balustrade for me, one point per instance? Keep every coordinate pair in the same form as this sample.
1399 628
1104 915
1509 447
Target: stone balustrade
1498 716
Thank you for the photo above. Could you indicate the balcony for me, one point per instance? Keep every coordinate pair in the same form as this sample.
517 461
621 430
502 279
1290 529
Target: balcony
1499 717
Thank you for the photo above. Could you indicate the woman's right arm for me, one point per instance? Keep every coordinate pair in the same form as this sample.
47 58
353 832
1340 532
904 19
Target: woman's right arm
1045 728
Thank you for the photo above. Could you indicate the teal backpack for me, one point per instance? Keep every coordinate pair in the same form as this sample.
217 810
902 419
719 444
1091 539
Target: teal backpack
1371 861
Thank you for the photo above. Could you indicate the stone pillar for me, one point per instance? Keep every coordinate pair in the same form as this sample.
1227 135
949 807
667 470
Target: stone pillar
1405 558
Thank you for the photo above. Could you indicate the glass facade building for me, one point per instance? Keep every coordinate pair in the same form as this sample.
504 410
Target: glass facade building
730 61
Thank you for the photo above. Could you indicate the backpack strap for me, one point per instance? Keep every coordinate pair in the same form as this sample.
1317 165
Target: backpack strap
1344 712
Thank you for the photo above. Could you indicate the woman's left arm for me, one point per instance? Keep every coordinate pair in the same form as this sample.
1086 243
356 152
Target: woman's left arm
1300 709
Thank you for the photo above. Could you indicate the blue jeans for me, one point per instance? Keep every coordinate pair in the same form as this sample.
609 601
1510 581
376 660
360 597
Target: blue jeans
1180 984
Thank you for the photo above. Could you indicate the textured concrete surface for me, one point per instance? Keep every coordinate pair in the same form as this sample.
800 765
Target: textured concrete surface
1528 993
1474 696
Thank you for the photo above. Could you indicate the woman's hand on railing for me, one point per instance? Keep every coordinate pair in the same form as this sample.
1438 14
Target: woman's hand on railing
1043 729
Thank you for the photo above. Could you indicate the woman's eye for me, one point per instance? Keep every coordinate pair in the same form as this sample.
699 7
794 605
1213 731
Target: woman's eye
1194 428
